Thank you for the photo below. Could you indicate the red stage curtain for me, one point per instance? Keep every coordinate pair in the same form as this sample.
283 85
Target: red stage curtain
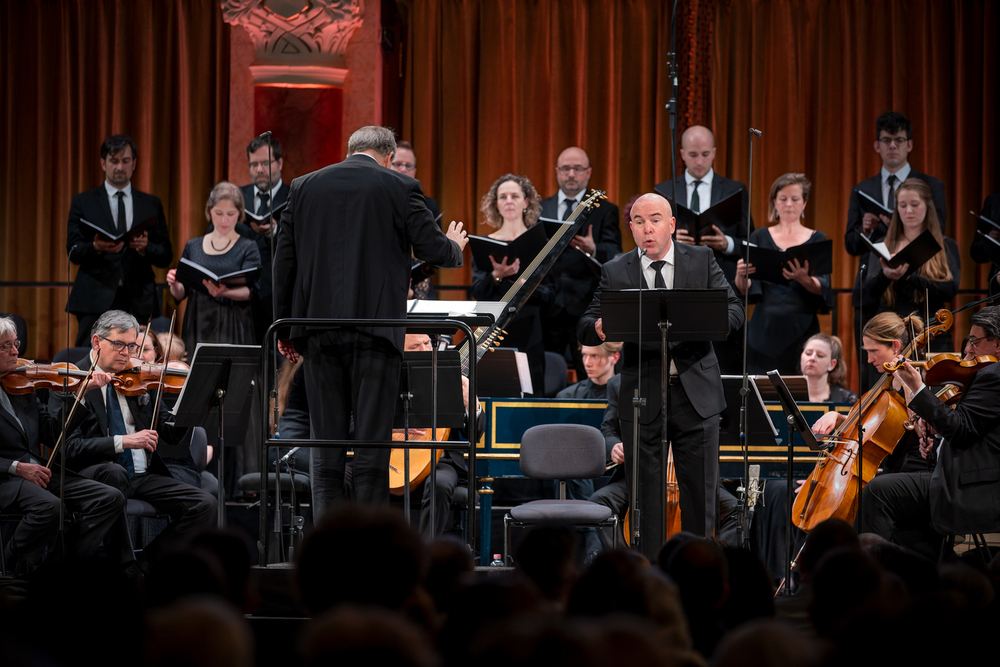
75 71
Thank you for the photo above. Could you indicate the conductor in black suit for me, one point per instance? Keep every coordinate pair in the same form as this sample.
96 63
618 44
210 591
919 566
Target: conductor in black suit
695 382
576 274
699 189
344 252
115 276
893 143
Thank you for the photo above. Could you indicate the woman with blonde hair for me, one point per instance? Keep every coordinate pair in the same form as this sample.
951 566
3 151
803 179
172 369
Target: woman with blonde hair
906 289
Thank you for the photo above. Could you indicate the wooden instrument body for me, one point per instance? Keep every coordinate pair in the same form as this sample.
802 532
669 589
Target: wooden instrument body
420 462
673 503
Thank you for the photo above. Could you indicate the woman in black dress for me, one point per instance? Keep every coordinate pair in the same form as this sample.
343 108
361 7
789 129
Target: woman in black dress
785 315
216 313
907 289
512 205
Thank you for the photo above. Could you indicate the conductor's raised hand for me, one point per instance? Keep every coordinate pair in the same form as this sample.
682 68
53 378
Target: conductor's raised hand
599 328
457 234
503 270
288 350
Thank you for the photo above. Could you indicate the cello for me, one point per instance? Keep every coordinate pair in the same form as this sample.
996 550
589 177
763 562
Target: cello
831 491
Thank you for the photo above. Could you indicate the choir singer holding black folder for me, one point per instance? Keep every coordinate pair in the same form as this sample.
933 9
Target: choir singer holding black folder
695 383
902 289
785 316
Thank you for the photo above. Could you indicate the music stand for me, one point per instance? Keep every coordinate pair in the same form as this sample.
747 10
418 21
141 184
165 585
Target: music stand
499 375
218 372
759 424
672 315
416 406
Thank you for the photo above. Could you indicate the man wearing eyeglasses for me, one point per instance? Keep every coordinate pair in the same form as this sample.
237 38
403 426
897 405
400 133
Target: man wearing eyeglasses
31 488
893 143
405 162
116 443
578 271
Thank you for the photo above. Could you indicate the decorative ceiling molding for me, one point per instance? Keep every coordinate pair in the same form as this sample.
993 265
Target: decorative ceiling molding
314 37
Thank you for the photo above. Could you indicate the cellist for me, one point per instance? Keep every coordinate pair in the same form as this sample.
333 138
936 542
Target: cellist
962 494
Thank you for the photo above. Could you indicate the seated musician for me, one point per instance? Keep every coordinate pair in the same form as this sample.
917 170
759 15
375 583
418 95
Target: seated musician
599 362
452 469
28 487
822 364
961 495
116 445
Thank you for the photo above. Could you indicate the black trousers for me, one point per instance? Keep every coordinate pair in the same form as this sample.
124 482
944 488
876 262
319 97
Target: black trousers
350 373
696 460
448 476
897 507
190 509
95 507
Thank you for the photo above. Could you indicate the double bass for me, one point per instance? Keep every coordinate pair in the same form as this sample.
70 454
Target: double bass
831 491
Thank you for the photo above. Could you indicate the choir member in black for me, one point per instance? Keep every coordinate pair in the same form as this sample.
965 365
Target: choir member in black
30 489
822 364
902 290
512 205
222 315
991 211
785 316
599 361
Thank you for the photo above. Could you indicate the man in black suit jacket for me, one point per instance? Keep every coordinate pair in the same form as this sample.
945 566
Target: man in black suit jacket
344 252
980 246
30 488
962 494
728 242
893 143
695 390
576 274
116 445
111 275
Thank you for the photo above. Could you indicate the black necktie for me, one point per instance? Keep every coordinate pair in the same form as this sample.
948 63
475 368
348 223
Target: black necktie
695 198
570 205
116 426
265 203
891 201
121 212
658 280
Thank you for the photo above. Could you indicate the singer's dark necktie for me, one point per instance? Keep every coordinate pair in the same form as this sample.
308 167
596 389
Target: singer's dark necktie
265 203
891 202
121 212
658 282
570 205
116 426
696 198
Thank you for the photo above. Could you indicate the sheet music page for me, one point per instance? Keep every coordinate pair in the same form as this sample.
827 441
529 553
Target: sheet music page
524 372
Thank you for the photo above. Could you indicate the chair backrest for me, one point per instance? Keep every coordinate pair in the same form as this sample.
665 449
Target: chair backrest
71 354
555 374
562 451
199 448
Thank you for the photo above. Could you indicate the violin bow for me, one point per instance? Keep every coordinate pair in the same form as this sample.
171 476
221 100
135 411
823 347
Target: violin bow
69 420
163 372
145 332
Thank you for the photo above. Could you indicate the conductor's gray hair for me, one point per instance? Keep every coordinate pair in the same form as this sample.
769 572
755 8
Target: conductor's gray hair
382 140
114 320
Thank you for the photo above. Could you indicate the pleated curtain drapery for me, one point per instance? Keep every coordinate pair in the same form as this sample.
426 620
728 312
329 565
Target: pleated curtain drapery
505 85
74 72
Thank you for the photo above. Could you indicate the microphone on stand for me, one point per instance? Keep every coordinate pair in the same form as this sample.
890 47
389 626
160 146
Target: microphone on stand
756 133
266 135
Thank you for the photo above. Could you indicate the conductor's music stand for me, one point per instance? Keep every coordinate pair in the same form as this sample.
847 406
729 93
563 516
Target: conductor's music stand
218 372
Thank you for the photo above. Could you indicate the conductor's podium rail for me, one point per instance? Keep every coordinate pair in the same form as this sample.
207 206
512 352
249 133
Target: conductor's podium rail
498 451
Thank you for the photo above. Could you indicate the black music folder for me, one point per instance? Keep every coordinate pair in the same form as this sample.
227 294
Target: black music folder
916 253
871 205
769 262
127 237
191 274
274 212
725 212
525 247
552 227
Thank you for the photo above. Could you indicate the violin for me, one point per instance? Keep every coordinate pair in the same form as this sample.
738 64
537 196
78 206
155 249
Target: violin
831 491
947 368
145 377
29 376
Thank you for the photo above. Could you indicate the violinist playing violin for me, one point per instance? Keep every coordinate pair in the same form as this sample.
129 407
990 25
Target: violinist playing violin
32 489
116 443
962 494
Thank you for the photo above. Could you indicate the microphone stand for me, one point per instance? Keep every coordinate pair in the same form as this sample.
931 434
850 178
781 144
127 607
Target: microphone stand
743 529
863 269
637 403
672 113
65 423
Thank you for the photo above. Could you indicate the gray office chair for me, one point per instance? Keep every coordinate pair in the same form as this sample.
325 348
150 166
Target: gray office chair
561 451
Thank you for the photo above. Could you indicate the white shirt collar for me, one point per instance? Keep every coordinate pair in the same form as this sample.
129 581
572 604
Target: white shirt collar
706 179
563 196
112 190
668 258
273 192
901 174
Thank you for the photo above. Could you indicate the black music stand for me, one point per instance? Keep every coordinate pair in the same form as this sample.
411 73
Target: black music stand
218 372
672 315
759 425
499 374
416 406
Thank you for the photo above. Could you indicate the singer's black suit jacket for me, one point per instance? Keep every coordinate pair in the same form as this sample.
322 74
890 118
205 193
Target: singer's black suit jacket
697 365
101 276
873 188
722 187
